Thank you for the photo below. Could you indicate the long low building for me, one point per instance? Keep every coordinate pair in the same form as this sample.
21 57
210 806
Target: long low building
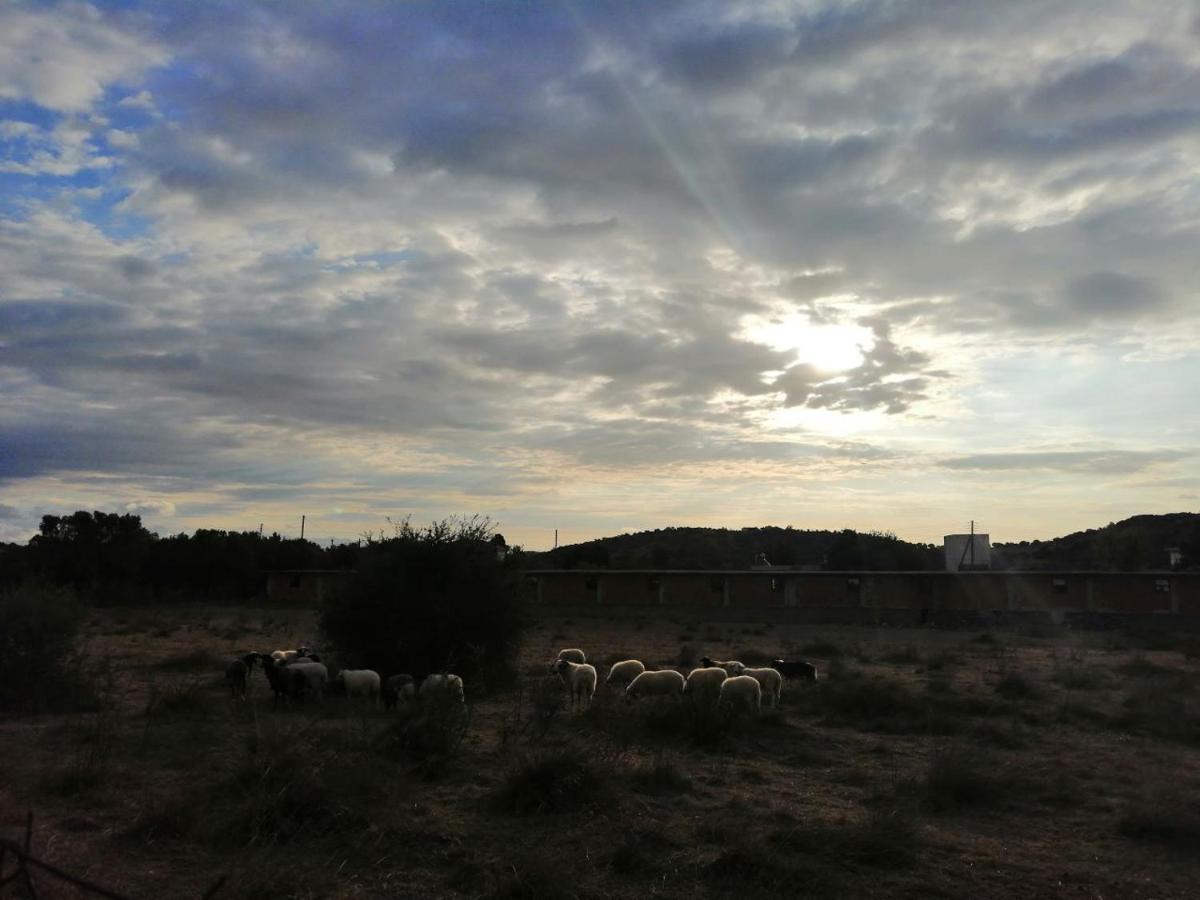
782 594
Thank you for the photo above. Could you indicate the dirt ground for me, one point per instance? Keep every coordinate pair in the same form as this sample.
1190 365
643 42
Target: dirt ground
923 763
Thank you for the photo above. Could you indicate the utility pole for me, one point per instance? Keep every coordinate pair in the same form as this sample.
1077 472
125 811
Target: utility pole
302 518
555 538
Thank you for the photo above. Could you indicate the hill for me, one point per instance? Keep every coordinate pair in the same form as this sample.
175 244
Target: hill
724 548
1139 542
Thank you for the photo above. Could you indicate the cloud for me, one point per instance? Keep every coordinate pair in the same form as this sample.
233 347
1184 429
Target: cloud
78 53
1113 294
1081 462
150 507
467 233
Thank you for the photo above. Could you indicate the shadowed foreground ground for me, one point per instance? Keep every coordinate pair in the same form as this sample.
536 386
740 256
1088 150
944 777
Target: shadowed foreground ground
923 764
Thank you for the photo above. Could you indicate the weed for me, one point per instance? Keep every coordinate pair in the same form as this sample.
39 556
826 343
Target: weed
958 779
559 780
1150 709
885 838
1078 677
1015 686
1162 815
192 661
907 654
821 648
660 776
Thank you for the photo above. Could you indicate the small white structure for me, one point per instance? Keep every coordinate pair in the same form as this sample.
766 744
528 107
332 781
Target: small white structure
967 552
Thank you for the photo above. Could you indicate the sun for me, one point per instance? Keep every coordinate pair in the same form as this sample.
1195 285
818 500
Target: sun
827 347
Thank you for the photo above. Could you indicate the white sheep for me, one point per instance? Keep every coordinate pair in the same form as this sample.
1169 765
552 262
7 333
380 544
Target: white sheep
704 685
580 679
287 656
667 683
623 672
771 681
741 690
314 673
359 683
731 666
574 655
438 686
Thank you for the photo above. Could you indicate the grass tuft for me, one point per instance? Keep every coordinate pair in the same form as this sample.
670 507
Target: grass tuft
560 780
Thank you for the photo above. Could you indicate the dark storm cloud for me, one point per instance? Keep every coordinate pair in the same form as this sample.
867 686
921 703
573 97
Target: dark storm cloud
1113 294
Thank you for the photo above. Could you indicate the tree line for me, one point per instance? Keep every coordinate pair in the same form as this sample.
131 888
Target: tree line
113 557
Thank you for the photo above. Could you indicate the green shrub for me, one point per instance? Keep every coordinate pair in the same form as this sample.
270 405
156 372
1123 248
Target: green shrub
39 669
431 599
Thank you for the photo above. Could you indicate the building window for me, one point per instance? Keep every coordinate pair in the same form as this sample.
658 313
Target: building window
1059 585
1162 586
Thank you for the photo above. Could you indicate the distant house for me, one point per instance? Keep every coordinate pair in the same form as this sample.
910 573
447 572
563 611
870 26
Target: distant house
304 587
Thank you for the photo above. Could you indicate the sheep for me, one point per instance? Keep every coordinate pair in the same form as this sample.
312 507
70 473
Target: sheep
572 655
732 666
315 674
311 657
237 673
667 683
580 678
771 682
288 655
438 686
741 690
285 683
623 672
704 685
359 683
805 671
398 688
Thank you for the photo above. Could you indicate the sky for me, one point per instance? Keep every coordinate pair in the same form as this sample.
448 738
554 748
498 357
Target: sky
600 267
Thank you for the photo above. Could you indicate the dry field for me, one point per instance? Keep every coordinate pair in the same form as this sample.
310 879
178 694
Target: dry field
922 764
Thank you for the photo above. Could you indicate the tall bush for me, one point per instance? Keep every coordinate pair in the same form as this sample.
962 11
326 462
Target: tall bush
38 625
443 597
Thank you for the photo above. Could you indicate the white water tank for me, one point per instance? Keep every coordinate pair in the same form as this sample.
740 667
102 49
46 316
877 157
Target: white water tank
967 552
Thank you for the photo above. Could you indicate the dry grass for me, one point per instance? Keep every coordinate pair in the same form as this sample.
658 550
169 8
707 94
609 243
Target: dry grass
918 761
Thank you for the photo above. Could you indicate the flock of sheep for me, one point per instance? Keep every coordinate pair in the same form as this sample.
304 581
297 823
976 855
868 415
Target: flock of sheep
292 674
724 683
